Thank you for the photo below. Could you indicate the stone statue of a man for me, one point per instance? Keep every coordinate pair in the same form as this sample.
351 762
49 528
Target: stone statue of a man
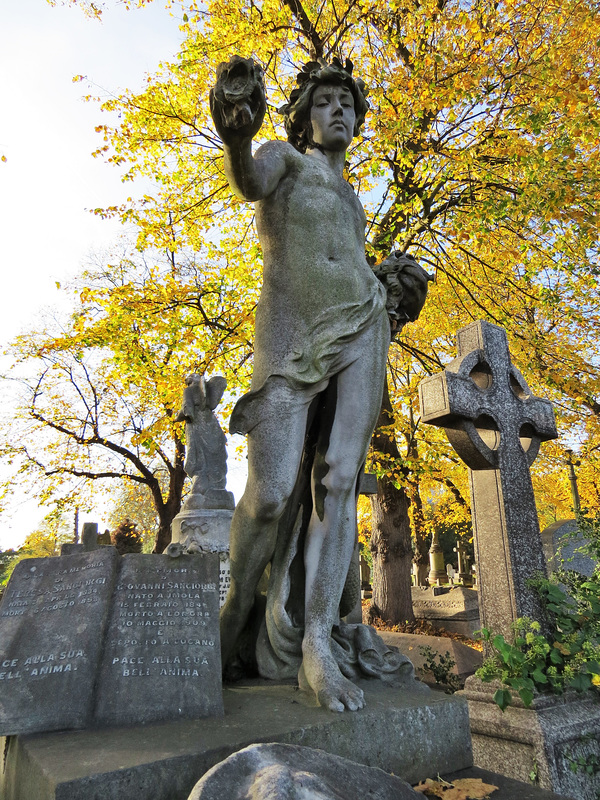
322 336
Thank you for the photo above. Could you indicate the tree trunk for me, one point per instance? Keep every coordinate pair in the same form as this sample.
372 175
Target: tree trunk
168 509
390 538
421 557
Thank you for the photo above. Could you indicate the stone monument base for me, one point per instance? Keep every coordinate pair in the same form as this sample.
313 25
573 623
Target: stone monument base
455 609
540 741
206 530
401 731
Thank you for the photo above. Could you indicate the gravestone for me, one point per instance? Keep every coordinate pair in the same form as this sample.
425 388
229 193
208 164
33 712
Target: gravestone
464 573
161 643
495 425
437 571
454 609
89 541
561 544
94 639
52 620
204 531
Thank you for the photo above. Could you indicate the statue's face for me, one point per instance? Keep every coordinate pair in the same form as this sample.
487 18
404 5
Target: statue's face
332 117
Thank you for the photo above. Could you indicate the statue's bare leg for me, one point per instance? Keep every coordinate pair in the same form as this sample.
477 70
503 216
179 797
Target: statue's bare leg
332 529
274 452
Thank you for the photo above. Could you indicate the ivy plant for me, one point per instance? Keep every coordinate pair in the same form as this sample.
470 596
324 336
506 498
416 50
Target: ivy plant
568 657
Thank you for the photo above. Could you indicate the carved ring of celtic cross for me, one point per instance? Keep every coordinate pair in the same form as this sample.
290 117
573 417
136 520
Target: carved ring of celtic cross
484 403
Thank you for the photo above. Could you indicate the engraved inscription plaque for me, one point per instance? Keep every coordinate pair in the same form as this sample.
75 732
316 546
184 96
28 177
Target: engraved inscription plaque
162 656
52 618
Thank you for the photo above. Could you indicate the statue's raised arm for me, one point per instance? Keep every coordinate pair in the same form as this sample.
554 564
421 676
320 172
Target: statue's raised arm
238 105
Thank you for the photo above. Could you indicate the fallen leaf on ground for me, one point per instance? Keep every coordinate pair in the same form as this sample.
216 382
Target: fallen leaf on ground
461 789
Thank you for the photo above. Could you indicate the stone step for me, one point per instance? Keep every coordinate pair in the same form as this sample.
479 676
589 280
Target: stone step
401 731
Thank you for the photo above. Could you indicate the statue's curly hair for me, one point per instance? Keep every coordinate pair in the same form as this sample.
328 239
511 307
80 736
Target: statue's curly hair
296 113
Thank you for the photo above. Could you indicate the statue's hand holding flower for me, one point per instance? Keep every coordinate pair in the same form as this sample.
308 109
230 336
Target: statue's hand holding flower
237 102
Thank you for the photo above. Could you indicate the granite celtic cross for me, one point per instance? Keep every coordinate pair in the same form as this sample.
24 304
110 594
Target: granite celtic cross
496 426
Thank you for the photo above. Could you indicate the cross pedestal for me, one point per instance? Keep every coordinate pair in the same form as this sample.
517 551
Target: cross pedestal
495 425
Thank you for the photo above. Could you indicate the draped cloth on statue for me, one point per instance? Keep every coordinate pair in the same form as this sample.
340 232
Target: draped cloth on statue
335 339
307 358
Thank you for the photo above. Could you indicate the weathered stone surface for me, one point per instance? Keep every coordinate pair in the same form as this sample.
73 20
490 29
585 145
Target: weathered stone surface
322 335
455 609
398 731
161 658
496 425
543 739
466 659
71 548
560 548
88 639
291 772
89 536
52 620
205 530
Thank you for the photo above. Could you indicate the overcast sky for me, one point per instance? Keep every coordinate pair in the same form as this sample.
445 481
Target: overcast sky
49 179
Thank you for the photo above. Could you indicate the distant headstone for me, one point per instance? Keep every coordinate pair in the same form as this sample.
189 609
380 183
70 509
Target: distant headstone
52 621
89 536
89 541
464 573
104 538
455 610
162 658
96 639
495 424
561 548
365 577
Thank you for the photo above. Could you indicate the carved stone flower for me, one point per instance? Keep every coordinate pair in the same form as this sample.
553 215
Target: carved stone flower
238 91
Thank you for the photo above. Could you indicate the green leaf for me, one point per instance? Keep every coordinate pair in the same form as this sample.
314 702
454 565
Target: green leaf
538 676
502 698
581 682
526 696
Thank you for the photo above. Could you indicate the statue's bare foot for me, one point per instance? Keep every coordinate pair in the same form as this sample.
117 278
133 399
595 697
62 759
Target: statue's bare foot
321 675
230 631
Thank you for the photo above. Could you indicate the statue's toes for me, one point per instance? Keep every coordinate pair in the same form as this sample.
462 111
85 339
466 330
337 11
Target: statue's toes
353 699
341 697
331 702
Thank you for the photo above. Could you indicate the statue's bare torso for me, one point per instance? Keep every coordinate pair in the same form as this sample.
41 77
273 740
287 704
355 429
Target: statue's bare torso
311 229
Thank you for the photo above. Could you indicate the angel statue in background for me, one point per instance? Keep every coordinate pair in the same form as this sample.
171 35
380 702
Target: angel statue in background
205 443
